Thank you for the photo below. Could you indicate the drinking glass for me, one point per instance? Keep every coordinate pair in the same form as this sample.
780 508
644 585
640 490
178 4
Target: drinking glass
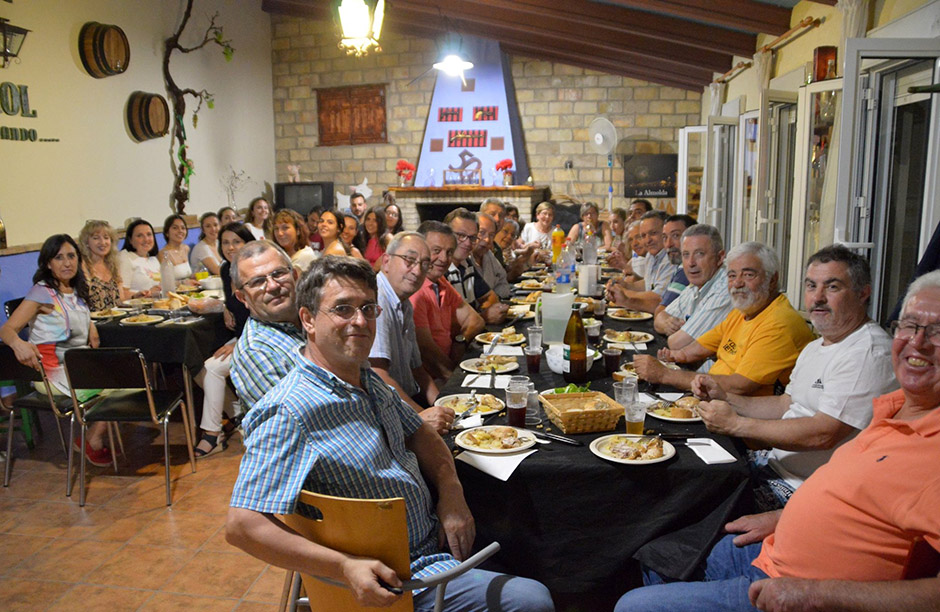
535 335
600 304
533 358
517 397
612 360
532 417
625 395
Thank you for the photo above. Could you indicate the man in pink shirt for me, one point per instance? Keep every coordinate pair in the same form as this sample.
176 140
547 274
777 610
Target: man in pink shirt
861 533
444 321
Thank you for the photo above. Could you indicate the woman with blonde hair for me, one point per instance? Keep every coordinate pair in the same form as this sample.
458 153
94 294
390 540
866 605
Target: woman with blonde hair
540 230
289 231
97 243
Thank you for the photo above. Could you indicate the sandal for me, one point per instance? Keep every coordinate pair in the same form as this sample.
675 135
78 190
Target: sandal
213 444
231 426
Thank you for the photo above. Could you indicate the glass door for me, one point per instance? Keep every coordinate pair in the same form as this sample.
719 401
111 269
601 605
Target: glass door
889 196
746 188
814 187
691 169
718 188
773 224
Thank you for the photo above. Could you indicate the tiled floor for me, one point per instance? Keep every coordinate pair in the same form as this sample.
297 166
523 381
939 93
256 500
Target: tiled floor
126 550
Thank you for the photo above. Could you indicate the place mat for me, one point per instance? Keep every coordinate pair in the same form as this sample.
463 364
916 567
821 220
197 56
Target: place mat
497 466
636 346
482 381
501 349
710 451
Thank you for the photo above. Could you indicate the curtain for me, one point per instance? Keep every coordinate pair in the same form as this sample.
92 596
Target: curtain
854 23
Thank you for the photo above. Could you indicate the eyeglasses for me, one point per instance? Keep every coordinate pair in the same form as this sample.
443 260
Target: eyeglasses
278 275
905 330
346 312
411 262
461 237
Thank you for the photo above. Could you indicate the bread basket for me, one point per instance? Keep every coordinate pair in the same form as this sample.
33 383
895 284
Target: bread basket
568 411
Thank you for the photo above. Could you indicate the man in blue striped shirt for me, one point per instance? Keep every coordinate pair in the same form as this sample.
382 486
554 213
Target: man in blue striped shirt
263 279
332 426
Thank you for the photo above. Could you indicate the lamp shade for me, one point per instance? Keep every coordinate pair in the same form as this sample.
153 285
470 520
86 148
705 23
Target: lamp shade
361 25
12 39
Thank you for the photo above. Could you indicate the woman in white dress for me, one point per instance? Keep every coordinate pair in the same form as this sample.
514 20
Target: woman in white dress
175 232
259 213
137 263
206 252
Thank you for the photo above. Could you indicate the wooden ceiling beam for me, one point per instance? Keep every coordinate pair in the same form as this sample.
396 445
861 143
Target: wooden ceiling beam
746 15
551 29
507 34
584 14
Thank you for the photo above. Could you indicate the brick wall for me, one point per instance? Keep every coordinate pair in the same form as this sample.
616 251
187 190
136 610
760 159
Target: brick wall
556 102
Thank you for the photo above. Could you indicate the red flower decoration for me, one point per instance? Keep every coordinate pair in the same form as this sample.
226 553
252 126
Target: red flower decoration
504 165
404 169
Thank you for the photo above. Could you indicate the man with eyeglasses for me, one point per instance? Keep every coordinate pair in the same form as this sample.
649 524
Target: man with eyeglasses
518 261
483 259
333 426
755 346
444 321
828 399
264 279
468 282
395 356
863 532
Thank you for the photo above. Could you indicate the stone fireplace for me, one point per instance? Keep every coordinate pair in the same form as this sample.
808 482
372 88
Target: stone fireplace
419 204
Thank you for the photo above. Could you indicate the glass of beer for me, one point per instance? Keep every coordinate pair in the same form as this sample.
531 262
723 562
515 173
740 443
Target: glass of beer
612 360
625 395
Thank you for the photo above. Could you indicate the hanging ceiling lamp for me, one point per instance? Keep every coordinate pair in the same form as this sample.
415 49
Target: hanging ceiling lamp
452 62
361 25
12 38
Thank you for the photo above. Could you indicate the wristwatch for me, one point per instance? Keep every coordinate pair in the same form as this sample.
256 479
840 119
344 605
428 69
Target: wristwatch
460 338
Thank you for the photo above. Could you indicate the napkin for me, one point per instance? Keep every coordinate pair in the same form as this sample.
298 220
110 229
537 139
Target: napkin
636 346
500 349
710 451
471 421
482 381
497 466
669 397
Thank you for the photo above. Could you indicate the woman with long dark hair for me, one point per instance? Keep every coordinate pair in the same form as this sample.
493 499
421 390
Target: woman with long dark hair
206 253
331 227
56 311
373 238
175 250
137 263
259 218
289 231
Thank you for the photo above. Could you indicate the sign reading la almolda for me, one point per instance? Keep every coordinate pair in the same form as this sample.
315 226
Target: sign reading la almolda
14 101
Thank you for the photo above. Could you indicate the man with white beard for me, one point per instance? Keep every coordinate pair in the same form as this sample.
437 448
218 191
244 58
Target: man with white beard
756 345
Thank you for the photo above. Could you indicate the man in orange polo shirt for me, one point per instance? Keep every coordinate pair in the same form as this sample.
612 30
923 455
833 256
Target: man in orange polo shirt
845 539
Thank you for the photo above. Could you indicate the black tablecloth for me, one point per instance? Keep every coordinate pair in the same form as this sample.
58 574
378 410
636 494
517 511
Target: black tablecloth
577 522
189 344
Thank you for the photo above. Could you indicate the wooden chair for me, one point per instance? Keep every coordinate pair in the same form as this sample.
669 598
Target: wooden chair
132 398
26 400
374 528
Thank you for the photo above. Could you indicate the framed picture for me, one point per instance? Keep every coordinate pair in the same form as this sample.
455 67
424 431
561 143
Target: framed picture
650 176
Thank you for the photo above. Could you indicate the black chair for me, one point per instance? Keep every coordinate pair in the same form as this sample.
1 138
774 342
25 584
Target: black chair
10 305
132 398
44 400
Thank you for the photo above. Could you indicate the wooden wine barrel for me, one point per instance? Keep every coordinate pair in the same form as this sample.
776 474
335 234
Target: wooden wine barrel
103 49
148 115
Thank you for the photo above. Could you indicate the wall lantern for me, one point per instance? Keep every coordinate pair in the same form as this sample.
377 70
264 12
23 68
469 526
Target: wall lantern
361 25
13 38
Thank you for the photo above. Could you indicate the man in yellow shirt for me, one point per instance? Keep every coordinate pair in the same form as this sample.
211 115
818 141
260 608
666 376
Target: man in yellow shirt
757 344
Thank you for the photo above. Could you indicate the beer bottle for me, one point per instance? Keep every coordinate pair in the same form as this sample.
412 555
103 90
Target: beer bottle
574 368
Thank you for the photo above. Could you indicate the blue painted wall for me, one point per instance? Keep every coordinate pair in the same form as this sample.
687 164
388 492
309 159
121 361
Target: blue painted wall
16 271
492 87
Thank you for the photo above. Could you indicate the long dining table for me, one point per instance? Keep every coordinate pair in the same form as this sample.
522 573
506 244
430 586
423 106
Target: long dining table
580 524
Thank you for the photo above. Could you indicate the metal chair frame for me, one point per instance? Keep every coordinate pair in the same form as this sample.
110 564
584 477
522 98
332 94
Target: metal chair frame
78 376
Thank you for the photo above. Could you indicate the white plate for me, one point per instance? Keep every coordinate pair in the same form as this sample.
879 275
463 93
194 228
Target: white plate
441 401
151 319
640 337
471 365
528 441
487 337
534 274
694 419
640 316
669 451
114 312
523 311
522 301
523 287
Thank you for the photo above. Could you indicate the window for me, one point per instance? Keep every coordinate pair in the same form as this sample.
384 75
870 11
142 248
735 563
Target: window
351 115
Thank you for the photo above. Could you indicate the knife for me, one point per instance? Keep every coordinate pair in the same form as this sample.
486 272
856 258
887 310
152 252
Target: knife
556 437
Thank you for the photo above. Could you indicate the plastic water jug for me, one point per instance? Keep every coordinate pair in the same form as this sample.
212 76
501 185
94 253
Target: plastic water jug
556 310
